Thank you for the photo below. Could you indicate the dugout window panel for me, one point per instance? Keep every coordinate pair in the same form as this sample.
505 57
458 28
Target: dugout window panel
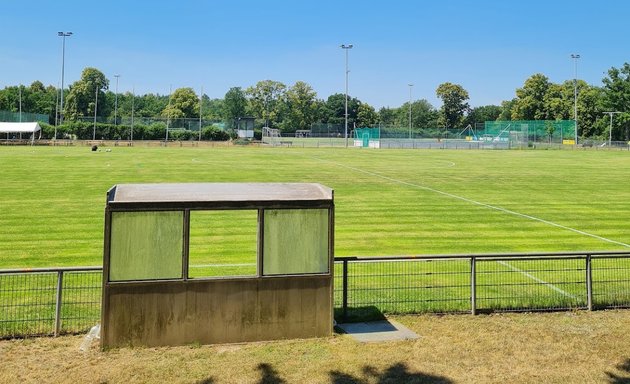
223 243
146 245
295 241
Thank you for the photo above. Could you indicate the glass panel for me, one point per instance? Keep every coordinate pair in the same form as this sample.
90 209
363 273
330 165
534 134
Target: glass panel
296 241
223 243
146 245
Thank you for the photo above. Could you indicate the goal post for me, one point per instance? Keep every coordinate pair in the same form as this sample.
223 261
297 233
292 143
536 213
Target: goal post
271 136
367 137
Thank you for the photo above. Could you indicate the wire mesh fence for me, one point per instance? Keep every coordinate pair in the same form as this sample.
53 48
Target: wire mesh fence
49 301
52 301
368 288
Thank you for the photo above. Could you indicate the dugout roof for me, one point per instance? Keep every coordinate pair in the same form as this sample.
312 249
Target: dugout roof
225 194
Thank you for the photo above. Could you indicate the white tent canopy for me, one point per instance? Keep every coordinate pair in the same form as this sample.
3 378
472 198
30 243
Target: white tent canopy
19 127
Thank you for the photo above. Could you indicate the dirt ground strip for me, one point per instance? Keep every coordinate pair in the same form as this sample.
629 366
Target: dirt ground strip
566 347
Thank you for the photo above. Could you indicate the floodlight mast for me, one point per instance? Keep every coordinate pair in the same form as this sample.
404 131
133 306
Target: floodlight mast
610 130
116 102
346 48
575 58
410 86
63 64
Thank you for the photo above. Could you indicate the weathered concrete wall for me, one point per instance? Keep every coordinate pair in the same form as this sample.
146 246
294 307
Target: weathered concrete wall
216 311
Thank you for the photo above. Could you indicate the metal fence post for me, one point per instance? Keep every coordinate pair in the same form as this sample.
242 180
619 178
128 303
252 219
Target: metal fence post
589 283
58 302
473 285
345 290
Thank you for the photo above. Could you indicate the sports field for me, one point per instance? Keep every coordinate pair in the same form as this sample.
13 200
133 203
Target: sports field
388 202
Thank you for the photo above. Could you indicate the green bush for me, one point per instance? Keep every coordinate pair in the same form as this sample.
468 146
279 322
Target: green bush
214 134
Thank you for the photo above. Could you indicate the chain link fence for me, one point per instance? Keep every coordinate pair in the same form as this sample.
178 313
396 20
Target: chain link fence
49 301
54 301
368 287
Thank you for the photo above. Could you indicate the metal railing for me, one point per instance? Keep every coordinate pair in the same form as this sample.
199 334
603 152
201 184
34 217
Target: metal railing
368 287
49 301
54 301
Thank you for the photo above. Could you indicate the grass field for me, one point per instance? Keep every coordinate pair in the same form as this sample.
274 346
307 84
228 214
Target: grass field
388 202
569 347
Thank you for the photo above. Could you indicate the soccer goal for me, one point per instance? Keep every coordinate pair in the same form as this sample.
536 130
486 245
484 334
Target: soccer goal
367 137
271 136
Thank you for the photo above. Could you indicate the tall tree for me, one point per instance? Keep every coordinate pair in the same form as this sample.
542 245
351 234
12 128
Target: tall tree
387 116
150 104
184 104
212 108
482 114
366 116
234 105
507 106
301 108
336 105
455 104
423 114
616 97
267 100
81 99
530 100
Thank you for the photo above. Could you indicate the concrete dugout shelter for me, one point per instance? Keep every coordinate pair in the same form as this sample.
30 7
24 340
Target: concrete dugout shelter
150 299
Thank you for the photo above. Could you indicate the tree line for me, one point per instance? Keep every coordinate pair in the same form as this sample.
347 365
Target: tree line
297 107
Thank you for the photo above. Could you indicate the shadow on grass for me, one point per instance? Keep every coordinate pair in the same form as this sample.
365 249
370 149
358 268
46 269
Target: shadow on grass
359 314
397 373
623 378
269 375
209 380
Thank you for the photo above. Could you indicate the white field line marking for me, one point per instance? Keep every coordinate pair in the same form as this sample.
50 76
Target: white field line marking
221 265
527 274
493 207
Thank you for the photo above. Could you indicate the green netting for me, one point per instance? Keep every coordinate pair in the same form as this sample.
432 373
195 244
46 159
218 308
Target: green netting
327 130
528 131
14 117
369 133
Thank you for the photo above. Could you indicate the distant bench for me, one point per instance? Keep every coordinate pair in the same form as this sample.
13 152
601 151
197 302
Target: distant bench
287 143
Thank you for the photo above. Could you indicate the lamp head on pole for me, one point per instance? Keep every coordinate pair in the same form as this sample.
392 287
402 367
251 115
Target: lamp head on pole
575 56
349 46
64 34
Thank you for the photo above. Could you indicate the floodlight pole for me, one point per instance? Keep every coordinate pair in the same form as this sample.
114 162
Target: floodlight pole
200 106
346 48
95 109
21 105
133 102
410 86
575 58
168 115
116 102
610 130
63 64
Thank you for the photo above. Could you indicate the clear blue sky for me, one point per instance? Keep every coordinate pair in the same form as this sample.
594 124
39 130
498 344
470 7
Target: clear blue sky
488 47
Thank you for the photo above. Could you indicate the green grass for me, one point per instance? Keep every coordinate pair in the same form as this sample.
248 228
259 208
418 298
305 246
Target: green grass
386 200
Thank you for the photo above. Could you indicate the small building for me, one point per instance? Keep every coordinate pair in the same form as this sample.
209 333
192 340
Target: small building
245 127
150 298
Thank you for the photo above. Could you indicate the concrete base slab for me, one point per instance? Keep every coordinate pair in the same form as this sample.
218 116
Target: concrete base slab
374 331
